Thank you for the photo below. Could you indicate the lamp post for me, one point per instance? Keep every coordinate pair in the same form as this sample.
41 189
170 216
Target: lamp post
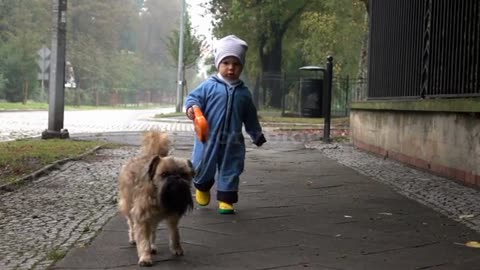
56 102
327 100
180 61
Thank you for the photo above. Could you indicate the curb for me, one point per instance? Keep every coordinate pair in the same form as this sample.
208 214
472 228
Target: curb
169 120
263 123
12 186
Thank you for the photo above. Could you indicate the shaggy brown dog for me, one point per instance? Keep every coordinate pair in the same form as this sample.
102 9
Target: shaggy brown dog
154 187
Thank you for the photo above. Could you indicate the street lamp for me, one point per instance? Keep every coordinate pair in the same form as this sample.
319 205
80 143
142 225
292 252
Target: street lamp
56 102
180 61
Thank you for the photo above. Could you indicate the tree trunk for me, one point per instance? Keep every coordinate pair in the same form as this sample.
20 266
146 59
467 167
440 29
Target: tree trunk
25 92
256 92
97 98
77 97
361 91
272 68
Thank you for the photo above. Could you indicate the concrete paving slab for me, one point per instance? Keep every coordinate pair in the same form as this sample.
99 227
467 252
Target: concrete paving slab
298 210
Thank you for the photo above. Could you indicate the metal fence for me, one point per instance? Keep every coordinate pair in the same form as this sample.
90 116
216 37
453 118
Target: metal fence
294 96
424 48
344 91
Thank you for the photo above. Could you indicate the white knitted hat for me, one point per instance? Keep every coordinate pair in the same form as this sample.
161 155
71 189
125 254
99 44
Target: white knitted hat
230 46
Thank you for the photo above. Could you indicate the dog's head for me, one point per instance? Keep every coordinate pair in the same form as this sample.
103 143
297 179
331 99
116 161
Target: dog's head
172 178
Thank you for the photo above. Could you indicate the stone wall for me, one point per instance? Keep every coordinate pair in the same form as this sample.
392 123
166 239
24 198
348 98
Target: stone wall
446 143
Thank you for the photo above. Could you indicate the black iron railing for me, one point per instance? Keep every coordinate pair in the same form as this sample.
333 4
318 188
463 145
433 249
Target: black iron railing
424 48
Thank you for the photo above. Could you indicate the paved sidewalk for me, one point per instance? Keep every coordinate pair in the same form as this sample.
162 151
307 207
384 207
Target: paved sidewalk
298 209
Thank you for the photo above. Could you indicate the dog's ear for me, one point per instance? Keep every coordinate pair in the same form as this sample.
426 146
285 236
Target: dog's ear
152 167
190 166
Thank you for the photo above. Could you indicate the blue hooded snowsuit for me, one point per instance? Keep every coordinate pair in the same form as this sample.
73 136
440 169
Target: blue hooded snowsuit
227 108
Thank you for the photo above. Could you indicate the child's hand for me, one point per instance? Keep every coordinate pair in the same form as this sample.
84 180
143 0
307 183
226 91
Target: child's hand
260 141
190 113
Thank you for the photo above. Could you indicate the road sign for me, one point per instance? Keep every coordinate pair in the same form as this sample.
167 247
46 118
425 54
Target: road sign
43 63
44 53
42 76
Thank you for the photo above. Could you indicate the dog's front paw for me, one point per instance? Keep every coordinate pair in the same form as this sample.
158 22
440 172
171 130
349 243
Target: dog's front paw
145 261
176 250
132 242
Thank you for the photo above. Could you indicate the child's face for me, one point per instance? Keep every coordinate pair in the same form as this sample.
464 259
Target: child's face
230 68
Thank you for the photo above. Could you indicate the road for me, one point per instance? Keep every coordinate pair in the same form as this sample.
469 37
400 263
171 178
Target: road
15 125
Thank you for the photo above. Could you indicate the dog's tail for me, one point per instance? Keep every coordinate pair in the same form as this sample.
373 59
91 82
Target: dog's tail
156 143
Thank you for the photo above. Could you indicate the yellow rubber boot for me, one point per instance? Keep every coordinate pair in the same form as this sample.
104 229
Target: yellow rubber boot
225 208
202 197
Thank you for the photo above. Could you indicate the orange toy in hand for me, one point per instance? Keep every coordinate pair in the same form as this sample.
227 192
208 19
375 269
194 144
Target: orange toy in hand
201 124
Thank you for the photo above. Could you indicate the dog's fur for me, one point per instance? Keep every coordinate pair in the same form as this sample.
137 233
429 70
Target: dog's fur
154 186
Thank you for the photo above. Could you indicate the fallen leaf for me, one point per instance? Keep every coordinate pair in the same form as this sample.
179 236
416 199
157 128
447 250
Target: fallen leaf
473 244
466 216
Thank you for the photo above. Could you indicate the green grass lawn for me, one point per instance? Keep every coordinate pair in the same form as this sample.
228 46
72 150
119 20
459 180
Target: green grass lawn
20 106
22 157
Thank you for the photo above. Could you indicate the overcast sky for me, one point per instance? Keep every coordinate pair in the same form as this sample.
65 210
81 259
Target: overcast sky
202 25
200 22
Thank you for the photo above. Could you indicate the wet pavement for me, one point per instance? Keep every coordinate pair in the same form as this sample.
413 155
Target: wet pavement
299 209
303 204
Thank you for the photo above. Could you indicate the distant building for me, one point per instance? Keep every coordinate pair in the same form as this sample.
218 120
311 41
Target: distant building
69 76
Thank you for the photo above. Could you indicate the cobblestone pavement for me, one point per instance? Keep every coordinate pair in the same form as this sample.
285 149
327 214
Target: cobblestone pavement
456 201
40 220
